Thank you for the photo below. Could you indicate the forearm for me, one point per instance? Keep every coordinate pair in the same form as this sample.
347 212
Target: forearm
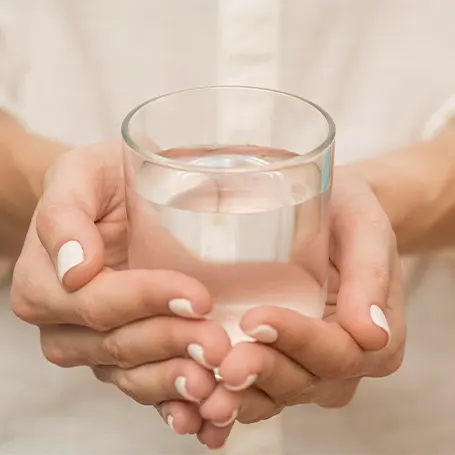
416 188
24 159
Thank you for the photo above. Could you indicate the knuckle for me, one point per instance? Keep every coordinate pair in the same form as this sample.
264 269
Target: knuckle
92 315
290 397
55 353
382 225
339 401
257 412
23 307
48 215
297 394
125 380
339 396
381 275
346 369
376 220
115 350
393 364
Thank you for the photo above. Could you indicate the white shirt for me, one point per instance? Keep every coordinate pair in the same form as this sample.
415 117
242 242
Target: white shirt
72 69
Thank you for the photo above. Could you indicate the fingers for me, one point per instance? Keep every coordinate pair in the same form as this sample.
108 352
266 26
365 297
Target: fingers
389 359
112 299
182 417
324 349
334 394
72 241
213 437
224 407
78 191
145 341
364 253
38 297
279 377
151 384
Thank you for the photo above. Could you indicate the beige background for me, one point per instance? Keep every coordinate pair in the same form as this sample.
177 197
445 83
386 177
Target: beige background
72 69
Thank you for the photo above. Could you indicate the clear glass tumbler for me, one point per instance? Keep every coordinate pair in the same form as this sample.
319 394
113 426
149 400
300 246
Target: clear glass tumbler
230 185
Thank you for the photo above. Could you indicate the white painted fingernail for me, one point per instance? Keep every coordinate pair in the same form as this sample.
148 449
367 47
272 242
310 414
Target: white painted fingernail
217 374
227 422
250 380
264 334
170 422
196 352
184 309
378 318
180 386
69 255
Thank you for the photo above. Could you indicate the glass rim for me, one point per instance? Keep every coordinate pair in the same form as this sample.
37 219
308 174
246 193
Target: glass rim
155 158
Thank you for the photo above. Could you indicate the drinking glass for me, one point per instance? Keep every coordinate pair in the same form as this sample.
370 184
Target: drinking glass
230 185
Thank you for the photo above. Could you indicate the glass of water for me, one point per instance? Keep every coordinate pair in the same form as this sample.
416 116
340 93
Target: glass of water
231 185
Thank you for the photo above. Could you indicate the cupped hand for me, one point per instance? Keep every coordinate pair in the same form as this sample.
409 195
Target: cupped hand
71 280
301 360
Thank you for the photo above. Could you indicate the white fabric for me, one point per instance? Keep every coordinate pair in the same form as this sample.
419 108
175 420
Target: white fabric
379 67
439 120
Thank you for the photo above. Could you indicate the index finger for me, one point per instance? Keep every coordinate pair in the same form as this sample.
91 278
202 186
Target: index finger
113 299
324 349
364 252
110 300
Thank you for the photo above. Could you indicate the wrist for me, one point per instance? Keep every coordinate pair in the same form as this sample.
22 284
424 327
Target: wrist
33 155
396 191
416 189
24 159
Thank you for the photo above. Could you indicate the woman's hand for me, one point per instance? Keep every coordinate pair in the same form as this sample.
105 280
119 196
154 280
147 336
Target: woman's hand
301 360
137 329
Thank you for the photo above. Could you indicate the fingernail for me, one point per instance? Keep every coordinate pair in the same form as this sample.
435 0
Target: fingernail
217 374
170 422
184 309
378 318
227 422
69 255
250 380
264 334
180 386
196 352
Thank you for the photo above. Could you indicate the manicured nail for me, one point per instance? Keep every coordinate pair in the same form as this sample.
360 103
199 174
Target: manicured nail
378 318
250 380
69 255
264 334
170 422
217 374
184 309
196 352
180 386
227 422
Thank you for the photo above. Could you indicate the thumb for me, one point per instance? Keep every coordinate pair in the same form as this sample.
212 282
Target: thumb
76 191
364 254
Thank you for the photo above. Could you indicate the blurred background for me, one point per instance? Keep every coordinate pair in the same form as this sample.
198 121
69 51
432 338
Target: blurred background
70 70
